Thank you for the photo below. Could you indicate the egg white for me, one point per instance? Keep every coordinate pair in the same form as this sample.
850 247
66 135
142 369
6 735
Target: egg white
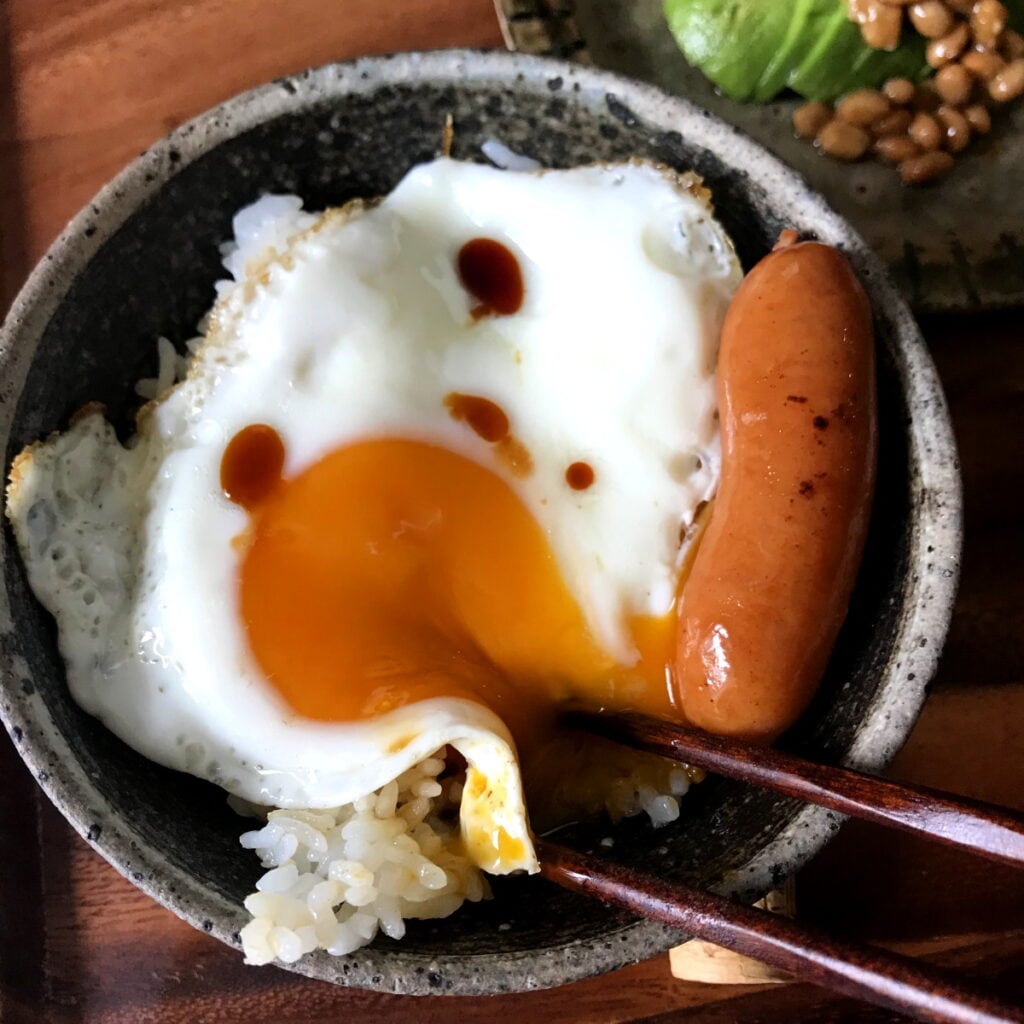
355 325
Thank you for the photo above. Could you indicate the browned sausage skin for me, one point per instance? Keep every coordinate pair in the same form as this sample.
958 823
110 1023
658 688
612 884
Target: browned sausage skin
771 582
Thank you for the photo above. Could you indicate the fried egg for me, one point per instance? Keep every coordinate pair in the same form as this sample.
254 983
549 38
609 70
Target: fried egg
433 472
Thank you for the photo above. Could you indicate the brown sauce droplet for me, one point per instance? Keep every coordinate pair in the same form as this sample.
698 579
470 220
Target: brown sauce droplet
515 455
490 272
250 469
485 418
579 476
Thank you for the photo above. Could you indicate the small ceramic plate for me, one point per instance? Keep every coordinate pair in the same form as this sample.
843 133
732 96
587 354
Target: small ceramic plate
954 245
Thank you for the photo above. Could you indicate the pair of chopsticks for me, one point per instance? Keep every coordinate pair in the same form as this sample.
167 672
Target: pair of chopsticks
864 972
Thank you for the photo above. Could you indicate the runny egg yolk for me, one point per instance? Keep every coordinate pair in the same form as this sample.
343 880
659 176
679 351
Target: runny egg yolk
393 571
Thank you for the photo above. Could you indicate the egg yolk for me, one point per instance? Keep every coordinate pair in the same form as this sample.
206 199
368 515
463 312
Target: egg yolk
393 571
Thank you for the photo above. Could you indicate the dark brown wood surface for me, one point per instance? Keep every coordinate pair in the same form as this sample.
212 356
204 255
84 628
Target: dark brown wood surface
889 980
87 84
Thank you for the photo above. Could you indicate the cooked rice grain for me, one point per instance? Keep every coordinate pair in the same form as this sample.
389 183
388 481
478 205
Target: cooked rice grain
337 877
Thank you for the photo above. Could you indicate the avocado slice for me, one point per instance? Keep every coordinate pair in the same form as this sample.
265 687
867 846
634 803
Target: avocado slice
731 41
753 49
839 60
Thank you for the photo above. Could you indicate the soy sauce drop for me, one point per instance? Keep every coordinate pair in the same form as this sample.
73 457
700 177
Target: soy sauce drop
251 466
579 476
490 272
484 417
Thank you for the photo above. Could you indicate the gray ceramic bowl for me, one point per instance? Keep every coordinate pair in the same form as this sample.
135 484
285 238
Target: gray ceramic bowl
141 260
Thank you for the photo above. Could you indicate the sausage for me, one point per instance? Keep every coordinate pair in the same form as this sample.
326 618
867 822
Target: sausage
772 579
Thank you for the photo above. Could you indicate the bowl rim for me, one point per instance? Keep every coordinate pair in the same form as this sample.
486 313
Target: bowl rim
936 541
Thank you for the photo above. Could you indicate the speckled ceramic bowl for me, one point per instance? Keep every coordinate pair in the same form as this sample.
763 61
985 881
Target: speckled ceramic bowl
141 260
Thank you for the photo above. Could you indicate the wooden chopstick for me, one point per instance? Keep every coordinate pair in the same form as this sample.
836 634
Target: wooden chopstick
986 829
863 972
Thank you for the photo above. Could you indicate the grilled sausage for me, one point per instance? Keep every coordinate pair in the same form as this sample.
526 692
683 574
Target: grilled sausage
771 582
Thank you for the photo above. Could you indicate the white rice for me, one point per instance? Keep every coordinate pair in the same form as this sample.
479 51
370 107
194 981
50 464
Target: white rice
171 368
507 159
629 797
337 877
262 227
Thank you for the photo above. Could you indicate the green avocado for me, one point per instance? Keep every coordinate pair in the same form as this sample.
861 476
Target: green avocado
753 49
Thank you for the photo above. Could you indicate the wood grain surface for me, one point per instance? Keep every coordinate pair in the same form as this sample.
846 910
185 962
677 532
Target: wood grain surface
868 973
87 84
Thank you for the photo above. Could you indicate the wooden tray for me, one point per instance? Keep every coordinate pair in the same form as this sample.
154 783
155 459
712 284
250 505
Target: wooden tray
84 86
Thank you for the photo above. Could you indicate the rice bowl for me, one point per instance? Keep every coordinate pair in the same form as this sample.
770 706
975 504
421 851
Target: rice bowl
866 685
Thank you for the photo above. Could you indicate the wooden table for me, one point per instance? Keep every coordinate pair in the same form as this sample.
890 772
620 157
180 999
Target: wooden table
87 84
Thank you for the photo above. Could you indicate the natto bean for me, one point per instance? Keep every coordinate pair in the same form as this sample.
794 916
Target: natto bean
954 84
862 107
810 118
948 47
894 149
899 90
1009 83
988 19
843 141
957 129
926 131
932 18
926 167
